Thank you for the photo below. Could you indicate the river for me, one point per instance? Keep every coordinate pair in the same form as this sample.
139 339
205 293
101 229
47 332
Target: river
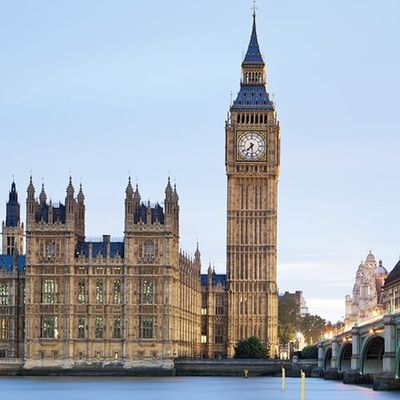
180 388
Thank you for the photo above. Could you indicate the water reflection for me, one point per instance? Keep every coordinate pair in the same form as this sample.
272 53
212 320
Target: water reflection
185 388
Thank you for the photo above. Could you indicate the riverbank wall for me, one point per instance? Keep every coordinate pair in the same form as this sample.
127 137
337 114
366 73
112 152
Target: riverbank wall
179 367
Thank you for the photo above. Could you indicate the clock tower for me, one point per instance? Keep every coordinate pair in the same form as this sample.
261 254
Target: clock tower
252 168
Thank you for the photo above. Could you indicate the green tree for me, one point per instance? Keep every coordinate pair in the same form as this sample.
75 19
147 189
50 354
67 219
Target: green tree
310 352
289 318
312 327
251 348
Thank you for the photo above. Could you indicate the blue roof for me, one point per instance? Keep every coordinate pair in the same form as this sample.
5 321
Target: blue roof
116 248
252 97
7 262
216 279
253 55
157 214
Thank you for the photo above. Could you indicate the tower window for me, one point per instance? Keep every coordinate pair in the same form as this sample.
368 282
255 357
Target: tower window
147 327
3 328
99 327
99 292
49 327
117 328
81 327
3 293
49 293
117 292
147 292
81 292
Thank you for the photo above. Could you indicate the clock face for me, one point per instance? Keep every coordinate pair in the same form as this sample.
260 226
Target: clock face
251 146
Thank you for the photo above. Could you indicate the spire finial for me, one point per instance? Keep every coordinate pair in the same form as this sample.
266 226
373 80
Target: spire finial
254 8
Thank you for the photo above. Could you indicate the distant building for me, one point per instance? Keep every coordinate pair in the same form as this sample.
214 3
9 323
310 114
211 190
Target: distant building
366 300
299 300
391 290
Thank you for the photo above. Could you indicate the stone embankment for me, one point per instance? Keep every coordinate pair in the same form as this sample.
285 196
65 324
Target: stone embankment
180 367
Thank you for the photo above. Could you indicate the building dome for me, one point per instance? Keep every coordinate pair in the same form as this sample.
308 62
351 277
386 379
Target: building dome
370 258
381 270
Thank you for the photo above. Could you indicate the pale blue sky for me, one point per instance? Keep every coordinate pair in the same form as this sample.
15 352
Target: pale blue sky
103 87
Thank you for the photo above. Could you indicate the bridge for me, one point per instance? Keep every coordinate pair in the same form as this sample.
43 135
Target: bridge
365 353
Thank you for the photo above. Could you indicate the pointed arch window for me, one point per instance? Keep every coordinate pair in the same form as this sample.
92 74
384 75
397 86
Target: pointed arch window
81 292
99 292
147 292
3 293
49 291
117 292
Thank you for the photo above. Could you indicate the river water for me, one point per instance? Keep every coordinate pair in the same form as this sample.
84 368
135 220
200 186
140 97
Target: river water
177 388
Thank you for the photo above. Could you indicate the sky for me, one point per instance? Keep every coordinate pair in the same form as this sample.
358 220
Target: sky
103 89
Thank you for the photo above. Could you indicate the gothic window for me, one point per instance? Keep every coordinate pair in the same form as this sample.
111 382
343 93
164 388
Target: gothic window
81 292
3 328
50 249
117 328
218 333
10 245
49 291
219 307
148 249
81 327
3 293
117 292
99 327
99 292
147 292
147 328
49 327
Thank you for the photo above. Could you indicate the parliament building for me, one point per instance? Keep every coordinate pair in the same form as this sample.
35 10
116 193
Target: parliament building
66 300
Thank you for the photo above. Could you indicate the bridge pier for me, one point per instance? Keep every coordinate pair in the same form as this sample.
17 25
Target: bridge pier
318 372
332 373
387 380
353 376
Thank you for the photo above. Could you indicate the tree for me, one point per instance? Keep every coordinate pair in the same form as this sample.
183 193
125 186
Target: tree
310 352
289 317
251 348
312 327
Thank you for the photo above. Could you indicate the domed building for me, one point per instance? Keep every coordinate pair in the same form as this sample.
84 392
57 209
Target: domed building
366 300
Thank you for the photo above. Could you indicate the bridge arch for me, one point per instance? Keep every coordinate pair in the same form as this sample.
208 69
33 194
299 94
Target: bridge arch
372 355
345 353
327 358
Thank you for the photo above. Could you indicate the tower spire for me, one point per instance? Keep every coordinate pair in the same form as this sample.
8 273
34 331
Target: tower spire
253 54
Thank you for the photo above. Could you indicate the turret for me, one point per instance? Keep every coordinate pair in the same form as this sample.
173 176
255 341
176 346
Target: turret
12 229
70 203
129 202
80 214
197 259
30 203
209 275
172 207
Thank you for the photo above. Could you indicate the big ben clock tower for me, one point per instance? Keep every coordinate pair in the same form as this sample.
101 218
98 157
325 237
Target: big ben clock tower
252 168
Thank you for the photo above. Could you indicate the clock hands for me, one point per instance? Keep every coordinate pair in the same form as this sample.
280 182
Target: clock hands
251 147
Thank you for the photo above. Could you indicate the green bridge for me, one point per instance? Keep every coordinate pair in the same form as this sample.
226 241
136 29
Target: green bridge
369 353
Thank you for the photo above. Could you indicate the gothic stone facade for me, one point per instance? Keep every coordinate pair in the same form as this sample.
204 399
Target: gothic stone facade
141 297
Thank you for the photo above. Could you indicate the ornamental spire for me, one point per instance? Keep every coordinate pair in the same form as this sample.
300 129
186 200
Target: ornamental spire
253 54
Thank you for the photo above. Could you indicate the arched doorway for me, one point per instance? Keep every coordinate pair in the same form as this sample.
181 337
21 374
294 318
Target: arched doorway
346 352
372 356
328 358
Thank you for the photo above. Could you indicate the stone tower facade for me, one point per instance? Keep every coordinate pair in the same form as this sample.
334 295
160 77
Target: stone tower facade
108 301
252 168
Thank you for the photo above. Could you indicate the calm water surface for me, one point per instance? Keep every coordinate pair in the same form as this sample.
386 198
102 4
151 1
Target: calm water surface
187 388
